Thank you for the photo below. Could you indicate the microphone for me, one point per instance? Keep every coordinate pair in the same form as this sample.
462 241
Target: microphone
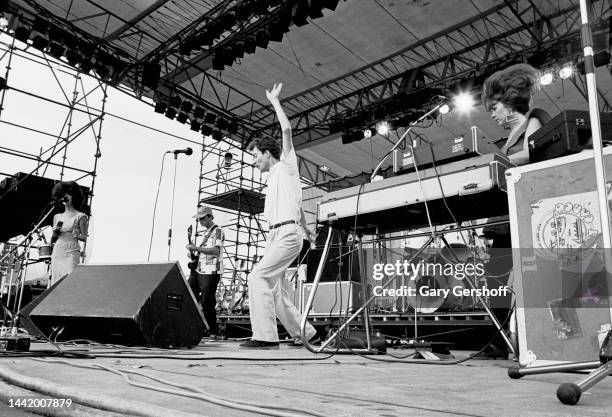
56 232
187 151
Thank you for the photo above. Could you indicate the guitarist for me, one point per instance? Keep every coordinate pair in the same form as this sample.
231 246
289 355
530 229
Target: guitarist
209 268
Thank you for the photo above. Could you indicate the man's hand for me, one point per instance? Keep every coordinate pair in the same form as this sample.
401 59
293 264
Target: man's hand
310 235
273 95
191 248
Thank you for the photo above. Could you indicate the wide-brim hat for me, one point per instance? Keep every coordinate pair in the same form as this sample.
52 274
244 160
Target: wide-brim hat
203 211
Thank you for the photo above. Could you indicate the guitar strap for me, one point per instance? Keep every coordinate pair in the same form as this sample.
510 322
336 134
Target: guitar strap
212 229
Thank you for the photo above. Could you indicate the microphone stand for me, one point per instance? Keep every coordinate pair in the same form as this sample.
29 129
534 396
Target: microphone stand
413 124
172 205
27 243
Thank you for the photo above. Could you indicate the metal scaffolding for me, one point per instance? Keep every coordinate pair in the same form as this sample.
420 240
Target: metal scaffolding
231 185
62 156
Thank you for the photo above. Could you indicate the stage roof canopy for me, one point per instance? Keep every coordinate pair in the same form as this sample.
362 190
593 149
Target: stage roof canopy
360 62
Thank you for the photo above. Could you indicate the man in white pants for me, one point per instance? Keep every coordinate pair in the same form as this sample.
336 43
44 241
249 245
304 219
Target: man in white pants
284 212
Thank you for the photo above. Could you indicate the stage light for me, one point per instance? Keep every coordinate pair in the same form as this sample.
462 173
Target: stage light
217 63
195 126
3 23
207 130
233 127
185 48
56 50
444 109
175 102
198 113
73 57
210 118
40 25
181 118
249 45
160 107
150 75
463 102
314 11
276 32
260 7
222 123
238 49
547 78
186 106
382 128
330 4
262 39
170 113
22 34
566 71
56 34
39 42
368 133
86 65
217 135
103 64
301 13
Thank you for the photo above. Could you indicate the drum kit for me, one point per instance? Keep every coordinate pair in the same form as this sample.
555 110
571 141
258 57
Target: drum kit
437 286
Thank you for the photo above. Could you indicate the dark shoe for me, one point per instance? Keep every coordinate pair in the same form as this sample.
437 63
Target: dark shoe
259 344
314 340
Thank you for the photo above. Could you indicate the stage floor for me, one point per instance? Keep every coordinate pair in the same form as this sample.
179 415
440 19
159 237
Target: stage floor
343 385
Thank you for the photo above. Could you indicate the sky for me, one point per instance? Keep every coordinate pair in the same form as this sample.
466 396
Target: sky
128 171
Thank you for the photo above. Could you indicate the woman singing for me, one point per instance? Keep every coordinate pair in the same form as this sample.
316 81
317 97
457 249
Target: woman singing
507 96
69 227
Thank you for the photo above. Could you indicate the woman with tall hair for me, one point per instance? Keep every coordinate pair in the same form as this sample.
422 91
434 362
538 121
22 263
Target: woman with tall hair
507 96
69 228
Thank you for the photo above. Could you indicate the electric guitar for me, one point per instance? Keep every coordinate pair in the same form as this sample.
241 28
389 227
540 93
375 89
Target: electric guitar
193 265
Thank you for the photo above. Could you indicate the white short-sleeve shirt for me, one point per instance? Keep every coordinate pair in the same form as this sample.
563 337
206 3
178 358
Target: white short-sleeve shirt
284 190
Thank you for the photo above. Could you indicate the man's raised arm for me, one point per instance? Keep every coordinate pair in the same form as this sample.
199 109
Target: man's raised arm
273 98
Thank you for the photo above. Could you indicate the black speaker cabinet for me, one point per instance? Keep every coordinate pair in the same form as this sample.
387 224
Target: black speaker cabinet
141 305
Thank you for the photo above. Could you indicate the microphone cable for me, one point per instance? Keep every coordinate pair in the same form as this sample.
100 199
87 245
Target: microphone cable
161 173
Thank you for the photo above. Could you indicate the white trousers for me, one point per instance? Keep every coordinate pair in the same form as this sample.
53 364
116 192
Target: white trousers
267 298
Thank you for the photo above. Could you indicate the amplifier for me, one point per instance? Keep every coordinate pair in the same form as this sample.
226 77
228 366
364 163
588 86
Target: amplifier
449 150
333 298
567 133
